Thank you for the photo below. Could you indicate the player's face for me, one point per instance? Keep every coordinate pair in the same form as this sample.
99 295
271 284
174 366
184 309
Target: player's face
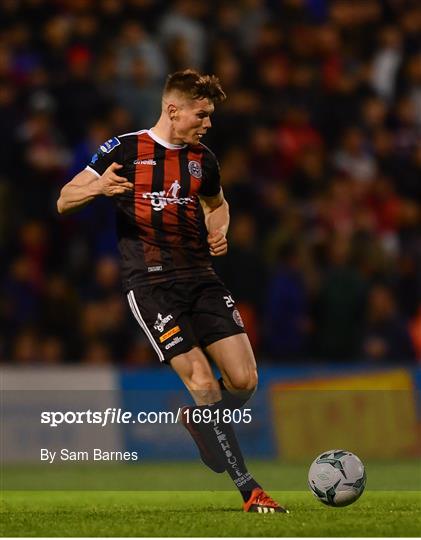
193 120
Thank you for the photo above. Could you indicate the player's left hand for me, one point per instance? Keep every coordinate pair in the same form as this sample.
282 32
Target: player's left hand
218 244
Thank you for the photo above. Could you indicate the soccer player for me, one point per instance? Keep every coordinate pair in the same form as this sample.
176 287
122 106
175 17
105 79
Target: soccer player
166 184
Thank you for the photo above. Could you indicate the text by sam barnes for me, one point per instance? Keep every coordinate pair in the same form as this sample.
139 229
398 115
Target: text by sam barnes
95 454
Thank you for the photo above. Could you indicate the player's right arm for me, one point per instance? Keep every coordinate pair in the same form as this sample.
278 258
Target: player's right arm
86 185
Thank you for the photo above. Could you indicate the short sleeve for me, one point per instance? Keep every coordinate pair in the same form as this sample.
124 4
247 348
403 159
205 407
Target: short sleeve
211 178
107 153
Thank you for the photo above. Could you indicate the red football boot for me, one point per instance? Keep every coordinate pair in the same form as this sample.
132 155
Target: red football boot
263 504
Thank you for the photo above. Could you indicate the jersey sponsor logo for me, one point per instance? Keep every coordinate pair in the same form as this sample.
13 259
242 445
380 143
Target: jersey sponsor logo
174 189
170 333
237 318
109 145
177 339
161 322
144 162
160 199
195 169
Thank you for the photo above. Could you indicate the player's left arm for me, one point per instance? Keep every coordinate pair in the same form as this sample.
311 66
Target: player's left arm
217 218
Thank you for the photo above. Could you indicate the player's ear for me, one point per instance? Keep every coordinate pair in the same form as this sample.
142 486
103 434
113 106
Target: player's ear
172 111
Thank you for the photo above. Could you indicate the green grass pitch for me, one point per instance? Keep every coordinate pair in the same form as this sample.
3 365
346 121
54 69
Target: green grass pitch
149 512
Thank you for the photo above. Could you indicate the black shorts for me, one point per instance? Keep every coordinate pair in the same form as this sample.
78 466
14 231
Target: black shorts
179 315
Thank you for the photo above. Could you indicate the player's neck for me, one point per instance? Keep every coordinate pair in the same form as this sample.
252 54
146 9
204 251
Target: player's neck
164 131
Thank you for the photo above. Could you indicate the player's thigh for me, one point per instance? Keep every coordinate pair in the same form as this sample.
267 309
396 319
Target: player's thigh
214 313
194 370
160 312
218 326
235 360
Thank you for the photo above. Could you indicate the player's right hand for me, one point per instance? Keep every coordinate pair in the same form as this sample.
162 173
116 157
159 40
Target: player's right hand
111 184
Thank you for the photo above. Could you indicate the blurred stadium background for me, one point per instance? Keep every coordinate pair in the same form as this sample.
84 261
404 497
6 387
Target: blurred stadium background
320 152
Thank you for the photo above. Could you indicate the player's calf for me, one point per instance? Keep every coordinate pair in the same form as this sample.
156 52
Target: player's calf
206 454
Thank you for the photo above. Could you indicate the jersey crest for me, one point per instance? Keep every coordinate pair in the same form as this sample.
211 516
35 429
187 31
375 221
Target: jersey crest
195 169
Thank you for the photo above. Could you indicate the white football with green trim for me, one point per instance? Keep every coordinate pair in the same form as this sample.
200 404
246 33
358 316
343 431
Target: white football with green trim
337 478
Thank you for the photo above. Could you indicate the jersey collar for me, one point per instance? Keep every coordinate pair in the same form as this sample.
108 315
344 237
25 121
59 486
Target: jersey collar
166 144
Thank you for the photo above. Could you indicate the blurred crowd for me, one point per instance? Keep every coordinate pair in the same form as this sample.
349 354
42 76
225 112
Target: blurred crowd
320 152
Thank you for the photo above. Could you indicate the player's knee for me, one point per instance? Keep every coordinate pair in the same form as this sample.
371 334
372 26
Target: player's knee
204 390
244 382
203 383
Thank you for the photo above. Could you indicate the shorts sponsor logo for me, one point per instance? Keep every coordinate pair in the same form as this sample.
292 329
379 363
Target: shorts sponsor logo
160 199
109 145
177 339
195 169
237 318
144 162
154 268
170 333
161 322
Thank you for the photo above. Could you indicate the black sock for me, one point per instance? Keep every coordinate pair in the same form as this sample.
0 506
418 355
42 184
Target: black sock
233 401
246 495
223 443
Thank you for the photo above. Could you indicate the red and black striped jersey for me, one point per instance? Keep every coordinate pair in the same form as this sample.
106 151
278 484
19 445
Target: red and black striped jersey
160 223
